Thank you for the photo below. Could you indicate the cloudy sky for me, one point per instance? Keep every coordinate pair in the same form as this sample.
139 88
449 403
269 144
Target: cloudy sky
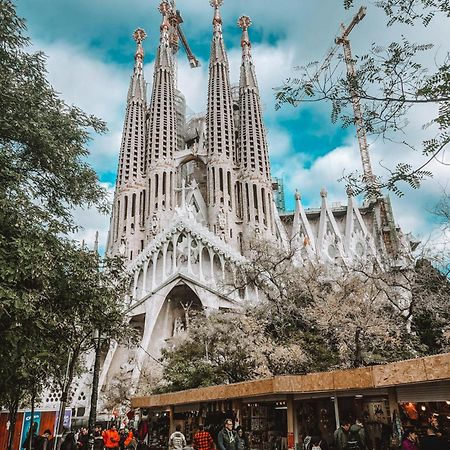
90 60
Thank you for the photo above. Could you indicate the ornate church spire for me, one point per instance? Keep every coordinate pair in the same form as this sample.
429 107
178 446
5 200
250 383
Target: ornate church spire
162 135
128 214
131 149
220 127
253 152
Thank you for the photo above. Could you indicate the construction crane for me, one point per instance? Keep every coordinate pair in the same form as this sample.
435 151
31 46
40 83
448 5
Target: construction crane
344 40
176 20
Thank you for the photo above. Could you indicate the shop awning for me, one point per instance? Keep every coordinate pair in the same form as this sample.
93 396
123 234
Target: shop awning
411 372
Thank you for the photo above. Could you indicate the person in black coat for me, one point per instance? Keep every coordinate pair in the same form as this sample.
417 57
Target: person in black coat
227 439
69 442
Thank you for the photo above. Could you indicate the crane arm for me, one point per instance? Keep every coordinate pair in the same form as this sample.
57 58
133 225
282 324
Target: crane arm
193 61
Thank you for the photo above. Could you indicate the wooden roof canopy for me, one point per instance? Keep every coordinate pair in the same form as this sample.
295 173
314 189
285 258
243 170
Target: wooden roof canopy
420 370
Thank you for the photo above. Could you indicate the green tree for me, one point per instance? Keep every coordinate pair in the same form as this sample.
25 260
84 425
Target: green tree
391 81
53 294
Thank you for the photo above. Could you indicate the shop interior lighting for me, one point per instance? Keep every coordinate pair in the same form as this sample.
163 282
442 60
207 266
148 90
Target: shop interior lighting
359 396
448 402
423 407
280 407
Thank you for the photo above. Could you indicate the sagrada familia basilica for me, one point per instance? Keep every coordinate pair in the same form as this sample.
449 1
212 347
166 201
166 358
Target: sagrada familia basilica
191 192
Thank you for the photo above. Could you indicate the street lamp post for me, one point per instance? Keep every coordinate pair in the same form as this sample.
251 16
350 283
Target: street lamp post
94 392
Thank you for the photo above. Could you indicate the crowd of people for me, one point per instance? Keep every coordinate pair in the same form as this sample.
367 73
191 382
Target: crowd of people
109 439
347 437
353 437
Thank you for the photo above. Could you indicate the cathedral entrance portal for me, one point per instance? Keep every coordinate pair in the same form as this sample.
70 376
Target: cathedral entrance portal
175 315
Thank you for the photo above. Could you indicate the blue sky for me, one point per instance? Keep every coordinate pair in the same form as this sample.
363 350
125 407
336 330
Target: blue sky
90 53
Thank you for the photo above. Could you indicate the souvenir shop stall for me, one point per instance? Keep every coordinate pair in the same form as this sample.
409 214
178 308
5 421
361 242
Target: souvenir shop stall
277 413
315 417
153 428
374 412
425 405
265 424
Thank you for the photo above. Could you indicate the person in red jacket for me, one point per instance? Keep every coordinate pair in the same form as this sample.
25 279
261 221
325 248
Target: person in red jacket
129 440
111 438
202 439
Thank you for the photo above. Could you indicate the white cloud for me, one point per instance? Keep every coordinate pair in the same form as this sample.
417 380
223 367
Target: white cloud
92 221
286 33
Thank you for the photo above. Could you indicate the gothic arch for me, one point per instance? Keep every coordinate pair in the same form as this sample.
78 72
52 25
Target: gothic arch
174 315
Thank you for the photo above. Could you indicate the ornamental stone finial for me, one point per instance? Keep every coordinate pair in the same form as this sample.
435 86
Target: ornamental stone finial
323 192
164 7
217 21
350 191
244 22
139 35
216 3
297 195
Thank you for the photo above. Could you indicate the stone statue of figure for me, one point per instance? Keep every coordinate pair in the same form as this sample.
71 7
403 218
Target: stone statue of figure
154 224
178 326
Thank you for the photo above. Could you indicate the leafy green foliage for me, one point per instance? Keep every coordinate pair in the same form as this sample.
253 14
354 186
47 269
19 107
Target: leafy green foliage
53 293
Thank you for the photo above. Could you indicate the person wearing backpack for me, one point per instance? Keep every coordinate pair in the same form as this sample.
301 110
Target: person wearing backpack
177 440
357 437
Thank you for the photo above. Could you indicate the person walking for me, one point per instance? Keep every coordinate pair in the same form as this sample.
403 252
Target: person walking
431 441
177 440
341 436
111 438
227 439
202 439
69 442
357 436
83 439
43 441
98 438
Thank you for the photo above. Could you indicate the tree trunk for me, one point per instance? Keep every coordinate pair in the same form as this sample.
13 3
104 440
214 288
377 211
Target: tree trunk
71 361
12 417
94 394
31 432
358 360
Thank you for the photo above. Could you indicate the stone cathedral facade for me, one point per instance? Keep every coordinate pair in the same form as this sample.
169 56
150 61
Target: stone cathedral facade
190 192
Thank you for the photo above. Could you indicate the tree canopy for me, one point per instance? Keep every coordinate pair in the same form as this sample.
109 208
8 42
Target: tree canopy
53 292
311 318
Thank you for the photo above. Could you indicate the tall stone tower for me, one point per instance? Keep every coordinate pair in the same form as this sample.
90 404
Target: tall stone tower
127 232
162 132
255 180
190 193
221 149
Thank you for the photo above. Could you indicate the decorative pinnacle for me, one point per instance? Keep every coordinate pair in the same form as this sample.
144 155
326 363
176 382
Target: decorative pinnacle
323 192
297 195
350 191
139 35
216 3
164 8
244 22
